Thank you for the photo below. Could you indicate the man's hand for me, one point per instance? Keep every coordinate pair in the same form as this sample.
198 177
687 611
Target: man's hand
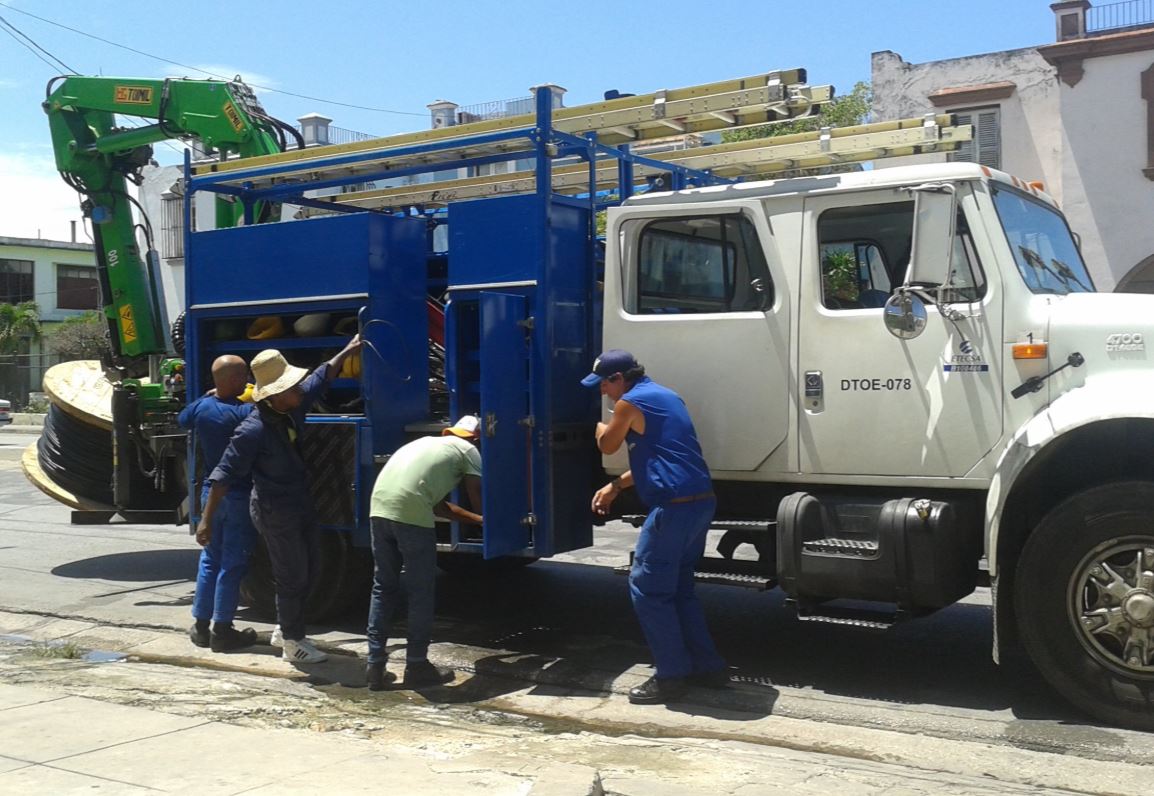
203 532
335 363
603 498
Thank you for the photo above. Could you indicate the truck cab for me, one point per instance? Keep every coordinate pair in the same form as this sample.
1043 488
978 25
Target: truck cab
906 373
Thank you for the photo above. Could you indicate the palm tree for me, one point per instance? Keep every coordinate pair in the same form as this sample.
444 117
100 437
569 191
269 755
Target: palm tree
17 322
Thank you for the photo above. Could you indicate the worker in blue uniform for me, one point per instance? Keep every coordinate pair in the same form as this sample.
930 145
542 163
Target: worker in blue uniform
672 479
265 448
228 541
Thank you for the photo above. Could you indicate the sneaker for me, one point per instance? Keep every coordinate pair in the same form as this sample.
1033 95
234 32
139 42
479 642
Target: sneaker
715 679
277 637
302 651
377 676
228 638
200 638
655 691
423 673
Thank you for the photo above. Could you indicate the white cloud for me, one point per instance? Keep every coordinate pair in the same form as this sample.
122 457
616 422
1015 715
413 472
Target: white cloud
34 201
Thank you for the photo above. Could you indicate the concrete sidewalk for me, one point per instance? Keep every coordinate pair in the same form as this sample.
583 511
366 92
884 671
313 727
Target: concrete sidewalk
55 743
505 726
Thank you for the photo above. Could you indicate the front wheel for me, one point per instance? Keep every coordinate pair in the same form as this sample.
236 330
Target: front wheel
1084 599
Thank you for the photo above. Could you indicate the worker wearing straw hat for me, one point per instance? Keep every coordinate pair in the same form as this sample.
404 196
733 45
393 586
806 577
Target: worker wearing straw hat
265 448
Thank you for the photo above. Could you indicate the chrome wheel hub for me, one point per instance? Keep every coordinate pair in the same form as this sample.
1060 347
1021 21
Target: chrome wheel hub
1112 604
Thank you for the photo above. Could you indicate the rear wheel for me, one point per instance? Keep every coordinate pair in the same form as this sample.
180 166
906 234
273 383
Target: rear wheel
343 577
1084 599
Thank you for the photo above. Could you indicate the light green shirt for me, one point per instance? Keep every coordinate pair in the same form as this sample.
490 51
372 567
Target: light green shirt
419 476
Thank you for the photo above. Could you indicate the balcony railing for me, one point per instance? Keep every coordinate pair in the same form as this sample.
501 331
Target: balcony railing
495 110
1116 16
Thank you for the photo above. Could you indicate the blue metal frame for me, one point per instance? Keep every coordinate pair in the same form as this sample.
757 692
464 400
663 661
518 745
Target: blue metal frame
556 272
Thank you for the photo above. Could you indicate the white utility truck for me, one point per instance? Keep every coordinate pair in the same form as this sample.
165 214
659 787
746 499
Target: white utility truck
903 424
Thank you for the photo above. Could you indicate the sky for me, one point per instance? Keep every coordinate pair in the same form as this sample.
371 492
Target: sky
394 58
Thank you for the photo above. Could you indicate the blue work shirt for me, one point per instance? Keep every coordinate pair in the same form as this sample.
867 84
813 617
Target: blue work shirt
265 448
214 420
666 460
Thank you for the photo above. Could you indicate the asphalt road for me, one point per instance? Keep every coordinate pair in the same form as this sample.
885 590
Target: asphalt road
931 677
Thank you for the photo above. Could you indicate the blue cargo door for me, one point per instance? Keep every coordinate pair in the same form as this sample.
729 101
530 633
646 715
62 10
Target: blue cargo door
506 433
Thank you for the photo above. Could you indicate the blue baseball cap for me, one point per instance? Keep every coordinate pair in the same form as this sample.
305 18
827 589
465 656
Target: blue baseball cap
615 360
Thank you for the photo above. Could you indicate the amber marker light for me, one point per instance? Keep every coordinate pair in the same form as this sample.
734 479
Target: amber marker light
1030 350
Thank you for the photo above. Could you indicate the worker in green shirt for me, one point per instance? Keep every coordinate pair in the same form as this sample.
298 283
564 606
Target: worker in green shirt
409 493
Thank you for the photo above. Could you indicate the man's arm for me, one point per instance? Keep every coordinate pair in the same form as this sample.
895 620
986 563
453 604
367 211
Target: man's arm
335 363
603 498
625 416
473 492
204 527
451 511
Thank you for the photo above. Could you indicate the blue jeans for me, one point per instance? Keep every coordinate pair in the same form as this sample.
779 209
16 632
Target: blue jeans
394 544
224 560
672 541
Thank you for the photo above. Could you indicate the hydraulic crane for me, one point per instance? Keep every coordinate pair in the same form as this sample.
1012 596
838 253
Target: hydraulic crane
98 155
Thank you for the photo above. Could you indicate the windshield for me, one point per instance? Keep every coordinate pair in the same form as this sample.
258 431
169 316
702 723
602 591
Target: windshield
1043 247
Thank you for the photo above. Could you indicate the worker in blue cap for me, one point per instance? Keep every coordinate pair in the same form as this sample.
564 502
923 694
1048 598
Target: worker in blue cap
671 477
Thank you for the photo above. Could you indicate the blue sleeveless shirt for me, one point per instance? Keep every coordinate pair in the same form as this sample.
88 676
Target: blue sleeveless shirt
666 460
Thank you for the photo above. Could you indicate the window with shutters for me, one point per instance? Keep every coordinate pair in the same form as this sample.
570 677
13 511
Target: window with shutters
171 226
986 146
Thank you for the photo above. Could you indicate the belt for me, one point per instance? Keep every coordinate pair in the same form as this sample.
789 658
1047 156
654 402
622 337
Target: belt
691 498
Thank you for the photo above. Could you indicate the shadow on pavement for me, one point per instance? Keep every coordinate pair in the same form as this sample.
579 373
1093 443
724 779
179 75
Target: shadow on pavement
135 567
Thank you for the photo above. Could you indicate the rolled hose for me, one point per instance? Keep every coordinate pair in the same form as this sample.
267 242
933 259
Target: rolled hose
76 456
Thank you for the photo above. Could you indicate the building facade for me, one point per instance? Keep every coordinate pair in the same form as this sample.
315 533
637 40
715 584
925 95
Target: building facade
60 277
1077 114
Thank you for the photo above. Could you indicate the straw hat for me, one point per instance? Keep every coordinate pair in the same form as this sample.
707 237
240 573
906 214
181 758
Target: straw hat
274 374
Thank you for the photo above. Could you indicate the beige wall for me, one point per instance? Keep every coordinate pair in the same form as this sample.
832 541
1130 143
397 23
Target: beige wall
1087 143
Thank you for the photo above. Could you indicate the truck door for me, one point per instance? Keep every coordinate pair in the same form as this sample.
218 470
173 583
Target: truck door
506 481
873 404
697 294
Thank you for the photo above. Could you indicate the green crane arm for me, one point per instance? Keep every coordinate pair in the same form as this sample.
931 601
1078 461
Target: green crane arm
98 159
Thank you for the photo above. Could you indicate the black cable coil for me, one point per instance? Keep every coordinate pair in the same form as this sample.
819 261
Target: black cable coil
76 456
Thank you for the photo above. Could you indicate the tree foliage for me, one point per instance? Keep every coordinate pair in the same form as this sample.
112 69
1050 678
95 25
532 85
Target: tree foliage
845 111
18 321
80 337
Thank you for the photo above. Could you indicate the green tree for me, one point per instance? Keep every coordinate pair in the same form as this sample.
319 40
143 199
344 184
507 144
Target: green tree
18 321
80 337
845 111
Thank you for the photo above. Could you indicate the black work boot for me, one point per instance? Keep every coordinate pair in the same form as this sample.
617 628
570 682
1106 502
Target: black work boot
377 676
226 638
655 691
423 673
198 634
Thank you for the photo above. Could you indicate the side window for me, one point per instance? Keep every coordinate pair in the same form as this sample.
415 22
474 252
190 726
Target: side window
986 146
865 251
700 264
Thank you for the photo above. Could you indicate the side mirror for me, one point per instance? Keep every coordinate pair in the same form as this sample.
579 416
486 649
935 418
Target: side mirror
935 212
905 315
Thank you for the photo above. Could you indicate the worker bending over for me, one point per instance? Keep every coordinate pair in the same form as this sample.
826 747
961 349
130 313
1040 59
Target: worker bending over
408 494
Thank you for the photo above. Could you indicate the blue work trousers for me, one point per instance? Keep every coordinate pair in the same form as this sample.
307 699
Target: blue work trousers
672 541
224 560
397 544
292 537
